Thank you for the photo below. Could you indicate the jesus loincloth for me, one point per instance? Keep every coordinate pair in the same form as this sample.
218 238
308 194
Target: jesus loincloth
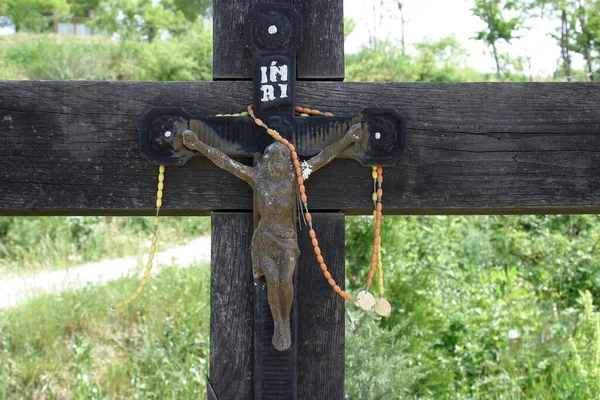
270 247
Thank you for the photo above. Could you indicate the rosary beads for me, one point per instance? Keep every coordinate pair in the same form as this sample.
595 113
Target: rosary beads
159 196
364 298
303 198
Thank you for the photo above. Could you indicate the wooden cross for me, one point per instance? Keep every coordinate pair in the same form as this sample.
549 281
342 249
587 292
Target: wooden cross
170 136
72 148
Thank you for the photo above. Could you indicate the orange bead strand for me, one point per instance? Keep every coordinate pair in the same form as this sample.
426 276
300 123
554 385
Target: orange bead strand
302 189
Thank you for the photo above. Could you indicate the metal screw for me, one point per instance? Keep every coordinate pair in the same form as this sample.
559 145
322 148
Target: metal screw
272 29
377 135
168 134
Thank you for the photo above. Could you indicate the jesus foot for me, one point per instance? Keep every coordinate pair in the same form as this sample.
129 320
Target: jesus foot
282 339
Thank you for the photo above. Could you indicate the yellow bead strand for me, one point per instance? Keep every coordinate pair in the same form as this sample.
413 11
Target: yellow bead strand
378 178
364 298
144 281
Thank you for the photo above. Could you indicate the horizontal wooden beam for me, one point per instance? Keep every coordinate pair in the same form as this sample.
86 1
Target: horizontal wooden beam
71 148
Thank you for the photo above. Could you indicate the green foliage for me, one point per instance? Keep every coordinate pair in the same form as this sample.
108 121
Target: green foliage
139 19
28 243
63 57
585 348
82 8
486 306
349 25
33 15
578 31
72 346
60 57
433 61
498 27
377 362
130 19
192 9
385 63
181 58
584 32
442 61
41 58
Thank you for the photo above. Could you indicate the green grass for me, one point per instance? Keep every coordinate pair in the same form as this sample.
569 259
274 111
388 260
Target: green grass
29 244
458 286
72 346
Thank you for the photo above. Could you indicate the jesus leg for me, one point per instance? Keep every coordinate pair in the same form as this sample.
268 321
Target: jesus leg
288 264
280 290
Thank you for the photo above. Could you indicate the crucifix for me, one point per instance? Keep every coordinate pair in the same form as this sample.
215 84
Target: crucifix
274 248
375 137
73 148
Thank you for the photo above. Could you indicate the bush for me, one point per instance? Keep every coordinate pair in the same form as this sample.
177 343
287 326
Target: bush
485 306
63 57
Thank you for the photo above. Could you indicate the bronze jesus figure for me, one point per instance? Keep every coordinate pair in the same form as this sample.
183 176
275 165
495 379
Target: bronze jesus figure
274 243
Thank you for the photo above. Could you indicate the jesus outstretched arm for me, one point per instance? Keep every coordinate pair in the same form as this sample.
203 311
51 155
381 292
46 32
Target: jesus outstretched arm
330 152
220 159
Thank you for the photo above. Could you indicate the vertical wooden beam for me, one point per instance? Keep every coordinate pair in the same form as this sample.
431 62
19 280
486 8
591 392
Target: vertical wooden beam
318 313
321 55
275 372
321 312
231 307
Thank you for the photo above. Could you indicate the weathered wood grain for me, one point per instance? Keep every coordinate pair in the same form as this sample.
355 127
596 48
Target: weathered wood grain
320 57
275 373
71 148
231 307
321 312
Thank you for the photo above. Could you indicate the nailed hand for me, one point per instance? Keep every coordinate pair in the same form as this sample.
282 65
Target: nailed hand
190 139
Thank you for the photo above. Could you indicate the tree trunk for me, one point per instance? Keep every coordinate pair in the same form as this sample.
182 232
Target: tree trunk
588 60
402 24
564 44
498 74
492 40
585 39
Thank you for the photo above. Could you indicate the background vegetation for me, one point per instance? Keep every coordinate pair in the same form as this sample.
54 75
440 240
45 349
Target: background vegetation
32 244
498 307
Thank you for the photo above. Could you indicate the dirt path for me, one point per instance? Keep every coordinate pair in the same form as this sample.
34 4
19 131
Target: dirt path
19 289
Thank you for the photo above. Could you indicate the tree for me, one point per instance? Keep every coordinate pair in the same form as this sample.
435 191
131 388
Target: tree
349 25
400 5
191 9
579 30
498 27
442 60
433 61
82 8
33 15
587 32
139 19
